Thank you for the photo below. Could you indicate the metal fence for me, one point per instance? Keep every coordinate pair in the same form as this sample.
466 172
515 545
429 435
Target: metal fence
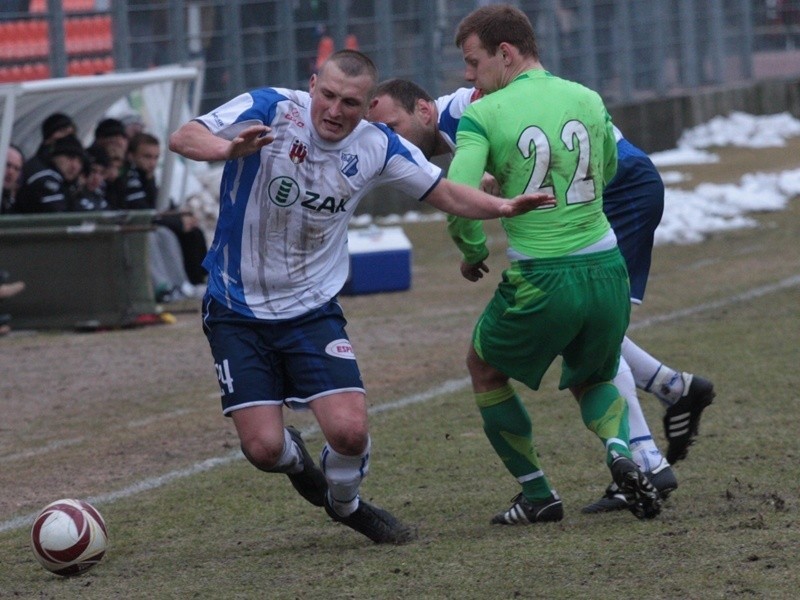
625 49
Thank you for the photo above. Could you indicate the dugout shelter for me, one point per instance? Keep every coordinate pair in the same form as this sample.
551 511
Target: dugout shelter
89 270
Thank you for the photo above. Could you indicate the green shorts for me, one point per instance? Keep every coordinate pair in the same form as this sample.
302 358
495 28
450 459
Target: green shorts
576 306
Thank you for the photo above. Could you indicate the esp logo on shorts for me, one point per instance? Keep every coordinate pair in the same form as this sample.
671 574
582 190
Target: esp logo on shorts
340 349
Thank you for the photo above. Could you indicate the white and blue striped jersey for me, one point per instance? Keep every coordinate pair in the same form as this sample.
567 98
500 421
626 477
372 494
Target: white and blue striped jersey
451 108
280 247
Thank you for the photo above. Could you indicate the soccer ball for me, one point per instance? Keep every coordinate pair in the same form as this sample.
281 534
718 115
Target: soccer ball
69 537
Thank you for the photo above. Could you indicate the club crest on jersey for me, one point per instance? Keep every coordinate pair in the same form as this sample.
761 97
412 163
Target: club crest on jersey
349 164
298 151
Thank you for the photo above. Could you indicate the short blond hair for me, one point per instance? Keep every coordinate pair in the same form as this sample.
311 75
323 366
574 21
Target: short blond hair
354 64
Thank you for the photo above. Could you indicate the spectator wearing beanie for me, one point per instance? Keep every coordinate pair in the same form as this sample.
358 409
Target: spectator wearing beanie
54 127
111 132
53 188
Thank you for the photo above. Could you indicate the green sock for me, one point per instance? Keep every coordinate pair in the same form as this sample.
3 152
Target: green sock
605 413
508 427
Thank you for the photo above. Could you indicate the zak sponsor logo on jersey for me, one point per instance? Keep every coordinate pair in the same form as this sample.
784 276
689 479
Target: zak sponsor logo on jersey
298 152
349 164
285 191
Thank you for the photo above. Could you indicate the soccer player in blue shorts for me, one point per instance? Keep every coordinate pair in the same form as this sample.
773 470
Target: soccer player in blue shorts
633 202
296 166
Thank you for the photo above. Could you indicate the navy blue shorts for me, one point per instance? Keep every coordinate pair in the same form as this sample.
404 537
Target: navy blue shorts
292 361
633 201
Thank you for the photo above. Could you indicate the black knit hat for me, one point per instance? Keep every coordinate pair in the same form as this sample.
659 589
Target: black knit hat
55 122
108 128
69 145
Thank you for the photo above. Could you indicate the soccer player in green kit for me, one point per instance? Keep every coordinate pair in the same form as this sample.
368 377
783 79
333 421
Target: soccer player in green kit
566 290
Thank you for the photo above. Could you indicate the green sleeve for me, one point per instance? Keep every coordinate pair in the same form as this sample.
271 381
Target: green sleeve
470 238
610 152
467 168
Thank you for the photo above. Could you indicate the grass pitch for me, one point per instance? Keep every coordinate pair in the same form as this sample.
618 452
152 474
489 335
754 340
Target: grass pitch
728 308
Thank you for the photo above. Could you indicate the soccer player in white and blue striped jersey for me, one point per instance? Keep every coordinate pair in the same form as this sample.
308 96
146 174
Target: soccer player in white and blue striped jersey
297 165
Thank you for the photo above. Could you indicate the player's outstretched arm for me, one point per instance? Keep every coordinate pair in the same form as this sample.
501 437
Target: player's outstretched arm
464 201
193 140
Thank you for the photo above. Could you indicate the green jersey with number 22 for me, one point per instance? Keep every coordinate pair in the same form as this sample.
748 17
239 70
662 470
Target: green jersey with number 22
540 133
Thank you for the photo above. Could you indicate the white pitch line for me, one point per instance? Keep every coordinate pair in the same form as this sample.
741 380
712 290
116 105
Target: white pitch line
784 284
447 387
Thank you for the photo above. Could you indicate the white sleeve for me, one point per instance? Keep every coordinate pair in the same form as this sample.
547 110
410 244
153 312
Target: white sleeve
222 120
408 170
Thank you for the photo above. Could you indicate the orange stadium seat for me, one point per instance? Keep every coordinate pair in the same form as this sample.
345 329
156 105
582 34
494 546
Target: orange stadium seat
324 50
5 38
11 74
86 35
351 42
80 66
40 6
102 25
90 66
40 41
326 47
5 75
78 35
24 39
41 70
33 71
14 40
104 65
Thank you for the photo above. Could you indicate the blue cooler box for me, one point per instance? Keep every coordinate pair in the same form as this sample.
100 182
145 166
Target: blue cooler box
380 261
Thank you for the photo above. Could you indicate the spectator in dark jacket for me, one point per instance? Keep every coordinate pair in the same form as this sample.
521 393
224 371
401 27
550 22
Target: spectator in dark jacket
53 188
54 127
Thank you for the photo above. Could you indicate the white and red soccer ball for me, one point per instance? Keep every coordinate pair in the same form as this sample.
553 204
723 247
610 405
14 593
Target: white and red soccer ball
69 537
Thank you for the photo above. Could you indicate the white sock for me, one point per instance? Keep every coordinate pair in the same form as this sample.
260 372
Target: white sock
651 375
668 386
291 459
646 454
344 475
643 448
